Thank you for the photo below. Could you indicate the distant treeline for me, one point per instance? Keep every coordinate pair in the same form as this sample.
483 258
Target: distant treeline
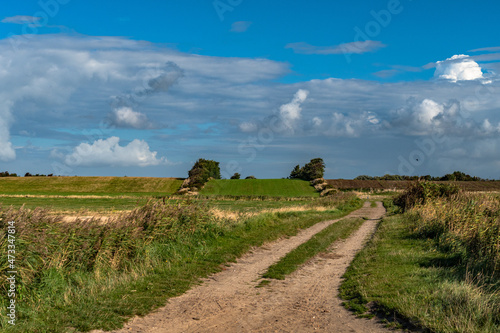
27 174
7 174
455 176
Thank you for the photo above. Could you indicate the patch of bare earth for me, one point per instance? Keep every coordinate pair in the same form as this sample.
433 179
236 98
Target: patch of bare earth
306 301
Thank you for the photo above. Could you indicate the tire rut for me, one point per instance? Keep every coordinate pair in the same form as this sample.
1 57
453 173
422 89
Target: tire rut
306 301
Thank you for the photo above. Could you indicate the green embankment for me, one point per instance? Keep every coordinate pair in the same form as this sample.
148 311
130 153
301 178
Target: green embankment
259 187
113 186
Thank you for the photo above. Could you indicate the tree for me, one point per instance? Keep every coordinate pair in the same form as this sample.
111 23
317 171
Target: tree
236 176
312 170
250 177
296 172
202 170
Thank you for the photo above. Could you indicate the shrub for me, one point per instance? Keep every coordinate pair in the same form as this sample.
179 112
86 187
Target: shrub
250 177
236 176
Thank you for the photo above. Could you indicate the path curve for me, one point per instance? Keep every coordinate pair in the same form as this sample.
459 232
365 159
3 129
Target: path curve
306 301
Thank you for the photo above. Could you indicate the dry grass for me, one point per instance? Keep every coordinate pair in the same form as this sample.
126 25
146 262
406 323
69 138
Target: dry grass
238 216
465 223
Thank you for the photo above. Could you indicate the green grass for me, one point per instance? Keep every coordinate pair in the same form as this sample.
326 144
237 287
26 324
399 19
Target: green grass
87 276
101 205
409 279
117 186
318 243
260 187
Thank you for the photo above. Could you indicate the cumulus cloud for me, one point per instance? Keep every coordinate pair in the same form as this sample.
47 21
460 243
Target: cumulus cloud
345 48
290 113
240 26
458 68
7 153
316 121
126 117
108 152
123 114
71 80
352 125
427 116
248 126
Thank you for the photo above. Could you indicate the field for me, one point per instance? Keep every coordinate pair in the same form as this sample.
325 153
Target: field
434 267
107 186
391 185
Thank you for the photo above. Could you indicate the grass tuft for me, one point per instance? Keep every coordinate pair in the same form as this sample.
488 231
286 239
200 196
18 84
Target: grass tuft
318 243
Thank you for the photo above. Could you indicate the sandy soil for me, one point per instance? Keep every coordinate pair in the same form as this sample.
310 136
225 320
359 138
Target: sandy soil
306 301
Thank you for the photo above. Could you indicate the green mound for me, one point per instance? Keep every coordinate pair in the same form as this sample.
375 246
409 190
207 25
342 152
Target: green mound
259 187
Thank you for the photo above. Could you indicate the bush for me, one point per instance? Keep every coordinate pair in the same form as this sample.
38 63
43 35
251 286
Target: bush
236 176
250 177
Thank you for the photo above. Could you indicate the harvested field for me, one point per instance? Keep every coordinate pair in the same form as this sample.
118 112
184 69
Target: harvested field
397 185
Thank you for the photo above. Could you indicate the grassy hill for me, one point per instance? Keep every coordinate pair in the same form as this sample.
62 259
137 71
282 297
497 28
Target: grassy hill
259 187
89 185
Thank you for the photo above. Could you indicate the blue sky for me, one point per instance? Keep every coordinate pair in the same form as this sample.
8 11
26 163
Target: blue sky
146 88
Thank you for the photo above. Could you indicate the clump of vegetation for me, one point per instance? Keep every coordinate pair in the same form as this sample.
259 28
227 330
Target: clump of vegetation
419 193
236 176
201 172
465 224
312 170
250 177
27 174
7 174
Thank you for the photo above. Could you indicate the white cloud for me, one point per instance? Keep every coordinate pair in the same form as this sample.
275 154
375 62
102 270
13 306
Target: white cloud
427 111
248 126
345 48
316 121
290 113
353 125
458 68
72 80
126 117
109 153
240 26
7 153
22 19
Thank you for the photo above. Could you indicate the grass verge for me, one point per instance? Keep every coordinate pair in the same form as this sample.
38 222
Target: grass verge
318 243
408 279
84 276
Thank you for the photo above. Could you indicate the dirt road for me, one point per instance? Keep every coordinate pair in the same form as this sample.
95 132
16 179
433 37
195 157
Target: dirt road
306 301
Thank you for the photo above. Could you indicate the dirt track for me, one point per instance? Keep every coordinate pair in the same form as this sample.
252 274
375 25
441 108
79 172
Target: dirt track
306 301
